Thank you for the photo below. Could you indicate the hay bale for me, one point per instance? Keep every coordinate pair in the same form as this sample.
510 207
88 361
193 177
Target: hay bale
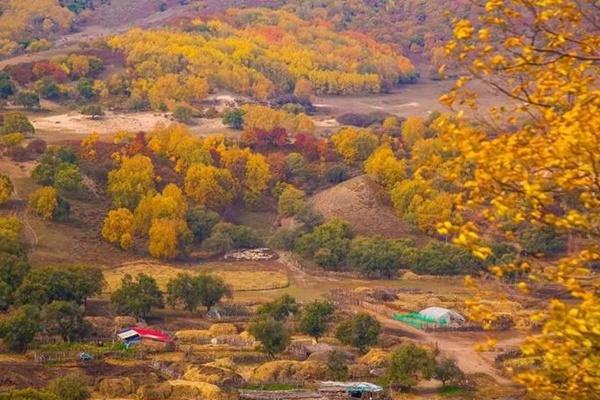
375 358
102 326
213 375
247 336
409 275
155 391
222 329
143 378
284 371
183 389
193 336
124 321
115 387
224 363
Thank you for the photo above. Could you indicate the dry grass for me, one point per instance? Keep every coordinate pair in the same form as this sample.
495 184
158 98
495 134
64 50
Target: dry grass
240 280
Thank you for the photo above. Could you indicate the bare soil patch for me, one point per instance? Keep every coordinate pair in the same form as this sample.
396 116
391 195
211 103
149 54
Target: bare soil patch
360 202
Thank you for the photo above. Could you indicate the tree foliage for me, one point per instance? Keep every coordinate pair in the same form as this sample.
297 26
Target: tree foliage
361 331
408 365
271 333
6 189
133 180
137 296
315 317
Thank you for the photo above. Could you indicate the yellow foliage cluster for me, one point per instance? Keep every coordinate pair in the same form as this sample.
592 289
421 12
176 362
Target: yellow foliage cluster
542 167
44 201
354 144
118 227
133 180
384 167
21 21
6 189
263 118
258 52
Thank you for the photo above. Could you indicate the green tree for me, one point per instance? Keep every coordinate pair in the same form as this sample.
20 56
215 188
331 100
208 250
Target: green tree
361 331
201 221
315 317
183 114
137 297
212 290
234 118
92 110
18 328
292 202
280 308
15 122
28 99
192 291
70 387
64 318
408 365
272 335
68 178
328 243
446 370
73 283
7 87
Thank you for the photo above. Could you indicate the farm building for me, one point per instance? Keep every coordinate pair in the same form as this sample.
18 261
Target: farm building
131 336
443 316
352 390
432 317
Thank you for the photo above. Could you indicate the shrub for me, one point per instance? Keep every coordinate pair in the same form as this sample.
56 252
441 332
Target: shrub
542 240
292 202
183 114
376 256
328 243
362 120
438 258
201 221
446 370
240 236
234 118
28 99
70 387
337 173
15 122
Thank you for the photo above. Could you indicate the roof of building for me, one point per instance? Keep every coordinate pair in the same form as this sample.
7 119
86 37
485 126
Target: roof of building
438 313
360 387
144 333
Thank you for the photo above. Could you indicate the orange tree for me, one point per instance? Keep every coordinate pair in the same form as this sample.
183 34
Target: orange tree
538 162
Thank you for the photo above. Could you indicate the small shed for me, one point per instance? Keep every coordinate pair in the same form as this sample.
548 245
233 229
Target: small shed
442 316
352 390
131 336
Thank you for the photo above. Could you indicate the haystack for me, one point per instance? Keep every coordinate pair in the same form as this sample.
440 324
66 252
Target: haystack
285 371
213 375
222 329
224 363
123 321
155 391
115 387
193 336
375 358
198 390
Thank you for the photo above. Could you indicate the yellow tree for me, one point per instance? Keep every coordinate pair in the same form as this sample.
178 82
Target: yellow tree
133 180
384 167
6 189
258 173
354 144
413 129
118 227
168 237
44 201
209 186
169 204
541 165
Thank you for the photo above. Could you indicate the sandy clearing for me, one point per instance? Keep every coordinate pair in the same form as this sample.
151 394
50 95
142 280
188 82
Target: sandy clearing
74 122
